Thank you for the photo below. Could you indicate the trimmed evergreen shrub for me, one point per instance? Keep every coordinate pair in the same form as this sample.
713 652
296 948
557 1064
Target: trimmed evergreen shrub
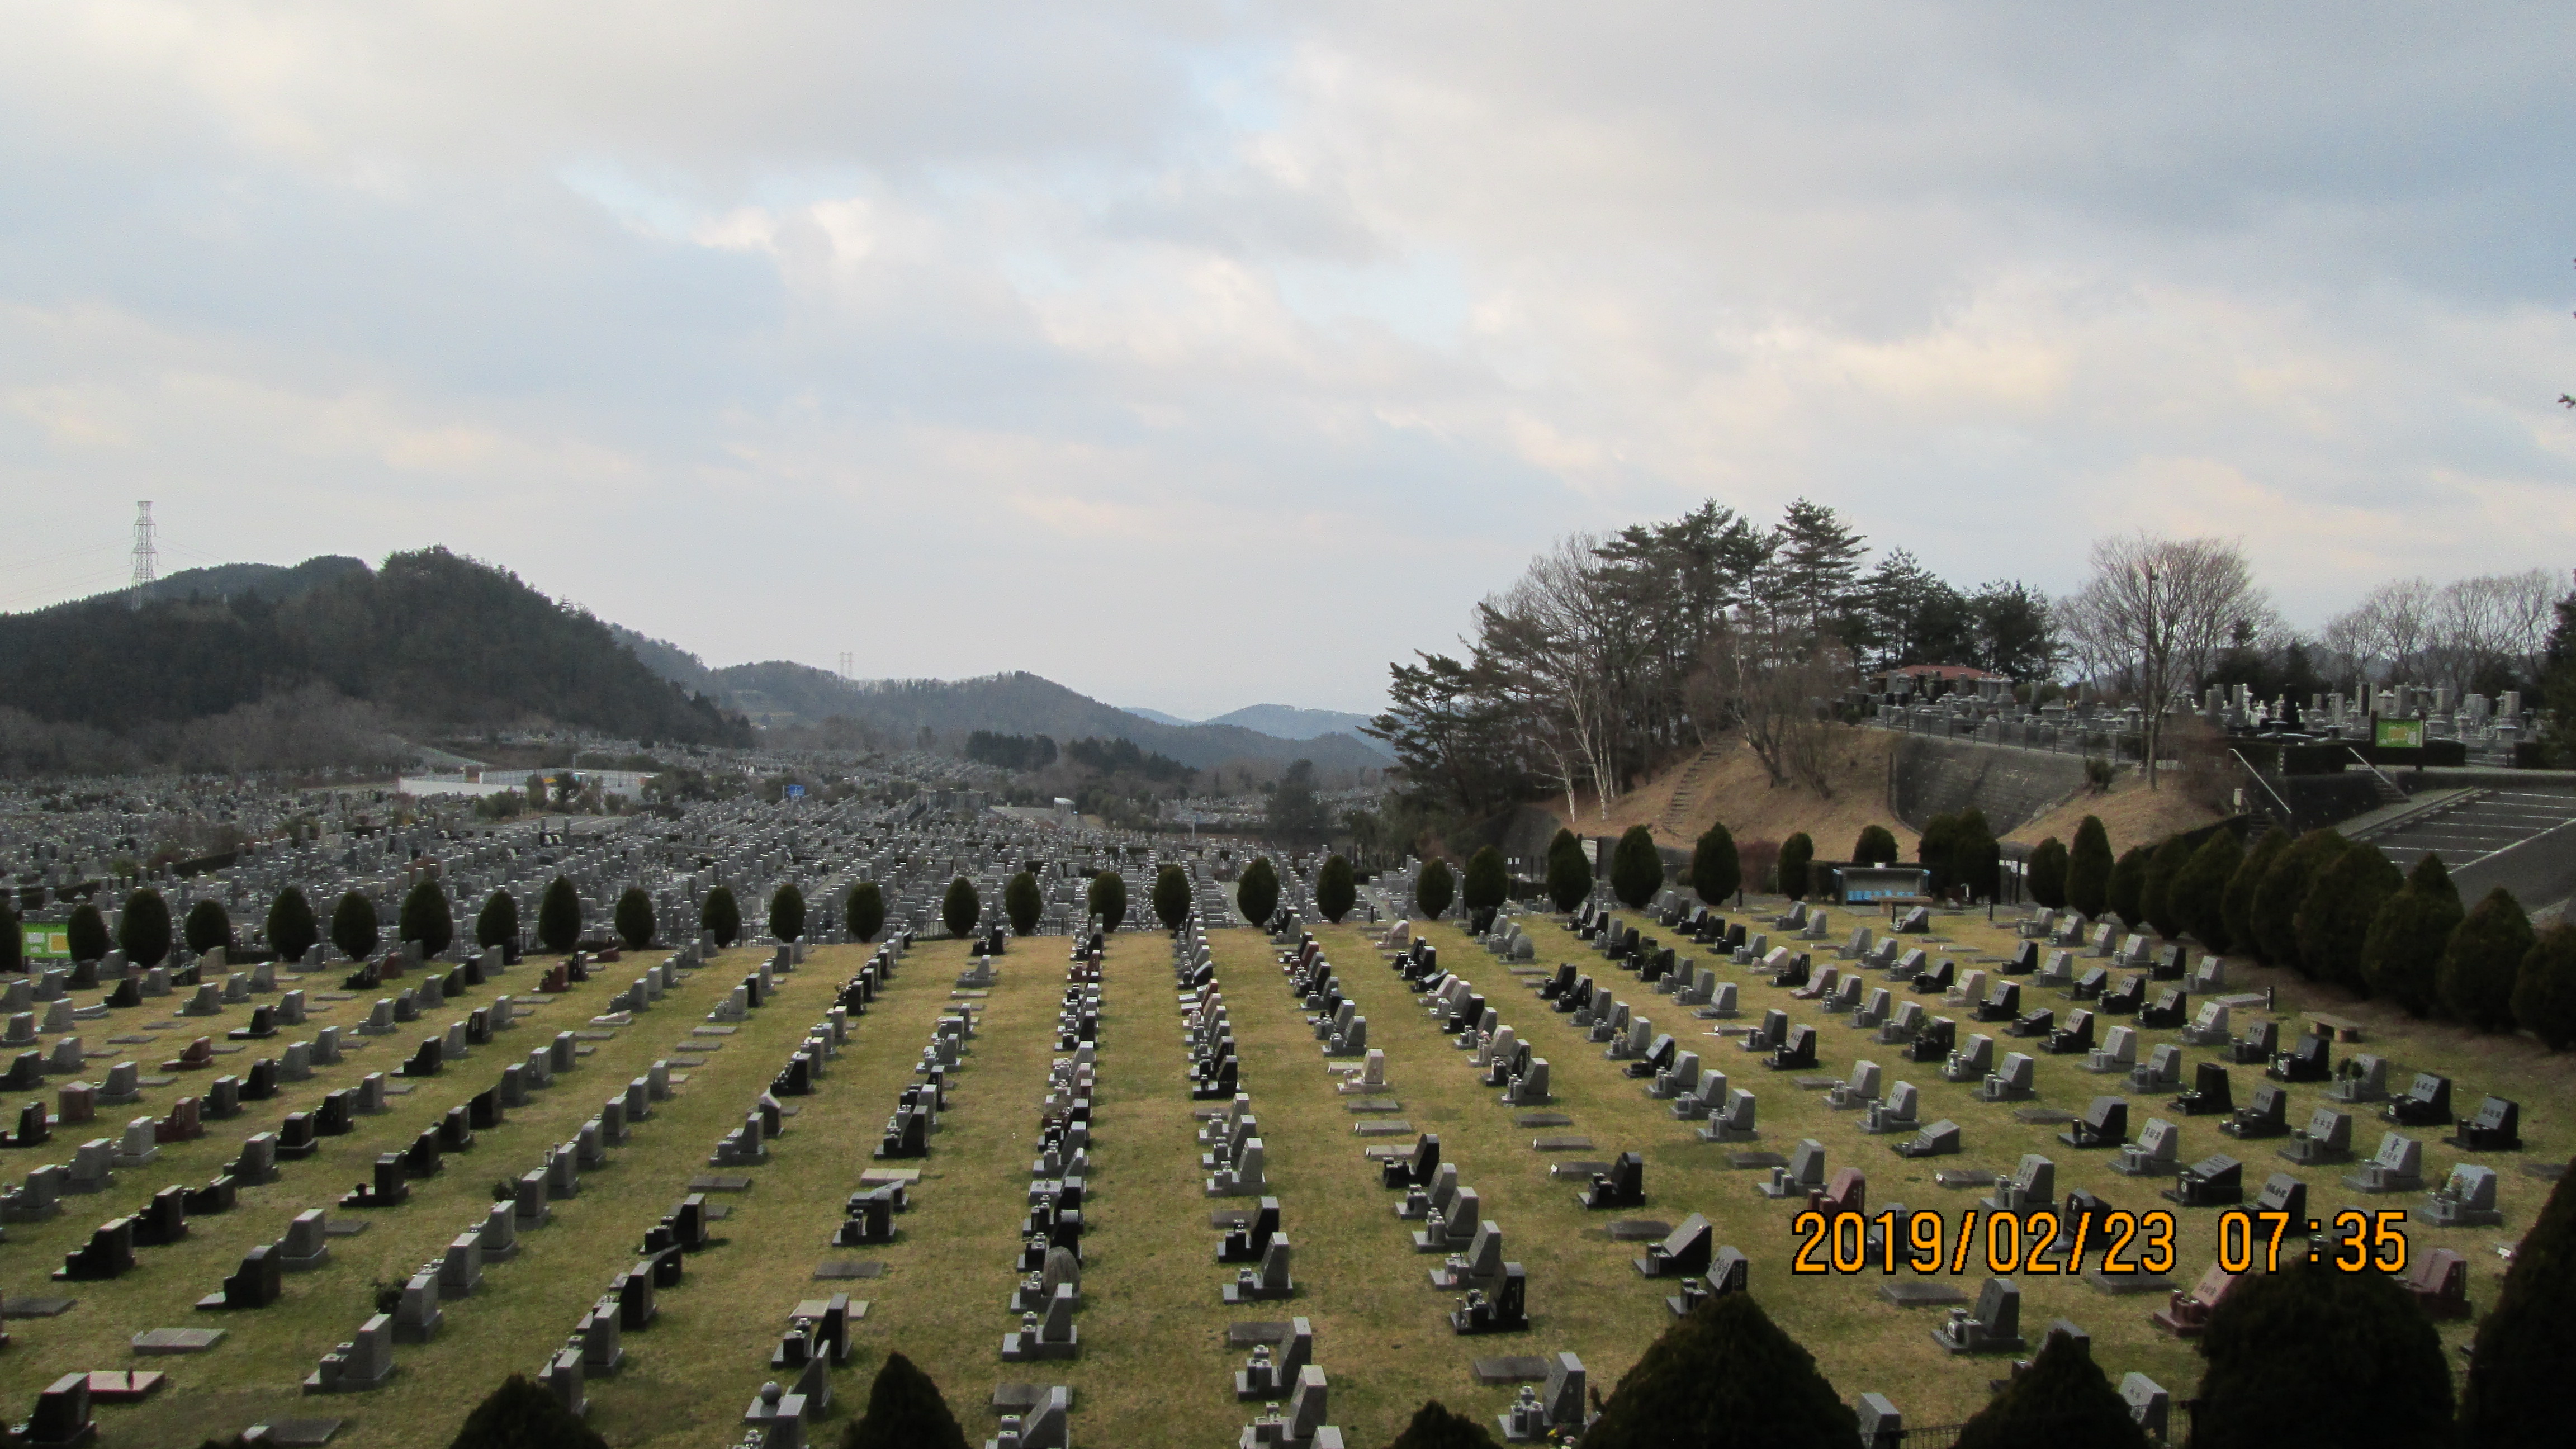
2044 869
2155 893
522 1415
2128 883
1486 885
1569 871
1024 903
143 928
559 917
353 926
1434 889
2061 1399
1795 852
634 918
1636 868
2517 1389
292 931
13 938
1716 871
1975 857
1876 846
1256 891
2285 889
497 924
2334 921
1434 1426
866 910
86 933
960 908
2544 990
2480 960
1336 889
2402 954
720 917
425 917
1933 851
787 913
1724 1377
905 1411
1109 897
1171 896
2312 1357
2197 894
2237 902
2088 868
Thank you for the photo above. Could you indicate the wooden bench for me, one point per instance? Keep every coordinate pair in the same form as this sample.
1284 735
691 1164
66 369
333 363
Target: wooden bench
2339 1028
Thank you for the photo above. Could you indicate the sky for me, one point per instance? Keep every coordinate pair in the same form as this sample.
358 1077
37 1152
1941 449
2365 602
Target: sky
1197 355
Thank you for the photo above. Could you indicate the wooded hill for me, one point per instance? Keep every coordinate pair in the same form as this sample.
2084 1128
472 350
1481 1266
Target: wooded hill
430 638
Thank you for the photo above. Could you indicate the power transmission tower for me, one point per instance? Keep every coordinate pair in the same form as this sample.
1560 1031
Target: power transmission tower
845 665
147 559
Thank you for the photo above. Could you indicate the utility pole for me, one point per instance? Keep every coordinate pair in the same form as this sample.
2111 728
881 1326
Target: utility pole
147 558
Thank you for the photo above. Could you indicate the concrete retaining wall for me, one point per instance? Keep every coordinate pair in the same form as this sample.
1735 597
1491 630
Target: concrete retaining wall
2013 786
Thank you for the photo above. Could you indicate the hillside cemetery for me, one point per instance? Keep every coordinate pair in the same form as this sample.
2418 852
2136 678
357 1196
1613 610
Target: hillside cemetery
1165 1177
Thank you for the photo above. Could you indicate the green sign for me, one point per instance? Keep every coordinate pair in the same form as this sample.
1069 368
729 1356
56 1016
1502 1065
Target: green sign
48 943
2399 734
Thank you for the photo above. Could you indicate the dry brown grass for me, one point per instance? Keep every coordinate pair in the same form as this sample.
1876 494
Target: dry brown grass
1737 790
2131 814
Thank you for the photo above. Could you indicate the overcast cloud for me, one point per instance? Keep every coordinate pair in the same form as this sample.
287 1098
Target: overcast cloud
1200 355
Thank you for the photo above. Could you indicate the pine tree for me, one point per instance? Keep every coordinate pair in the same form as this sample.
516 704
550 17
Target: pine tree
1485 887
2544 990
1795 852
905 1411
1569 871
2334 922
1109 898
1256 891
2480 960
1434 1426
1024 903
787 913
2237 903
2285 889
2061 1399
520 1415
720 917
1724 1377
1171 896
2197 895
2088 869
1636 868
208 925
867 910
1933 851
1716 871
1434 889
354 927
960 908
2155 893
1876 846
559 917
425 917
1815 559
143 928
634 918
2045 869
497 924
86 933
2401 956
2517 1385
2128 883
1336 889
292 931
2312 1357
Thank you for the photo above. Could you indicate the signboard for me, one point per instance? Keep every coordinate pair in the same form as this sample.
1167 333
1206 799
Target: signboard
795 792
48 942
2398 734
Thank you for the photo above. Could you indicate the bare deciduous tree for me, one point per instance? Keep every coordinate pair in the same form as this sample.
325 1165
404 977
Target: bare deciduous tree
1773 681
2156 613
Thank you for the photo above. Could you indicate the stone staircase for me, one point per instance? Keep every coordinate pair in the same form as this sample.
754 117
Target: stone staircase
1675 818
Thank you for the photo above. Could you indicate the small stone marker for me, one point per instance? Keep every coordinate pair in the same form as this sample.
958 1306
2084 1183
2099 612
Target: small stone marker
849 1270
1383 1129
1382 1104
124 1386
38 1307
1518 1369
1230 1219
1639 1230
720 1182
1920 1293
2121 1285
1021 1399
1561 1143
1243 1335
344 1227
2044 1116
713 1030
880 1176
1542 1119
1755 1160
1958 1177
160 1341
293 1433
1582 1169
717 1212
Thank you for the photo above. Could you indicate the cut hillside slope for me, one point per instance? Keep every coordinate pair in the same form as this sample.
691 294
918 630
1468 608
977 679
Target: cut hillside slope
2131 815
1732 786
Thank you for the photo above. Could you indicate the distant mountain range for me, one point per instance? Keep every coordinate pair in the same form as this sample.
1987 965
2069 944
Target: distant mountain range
1286 721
